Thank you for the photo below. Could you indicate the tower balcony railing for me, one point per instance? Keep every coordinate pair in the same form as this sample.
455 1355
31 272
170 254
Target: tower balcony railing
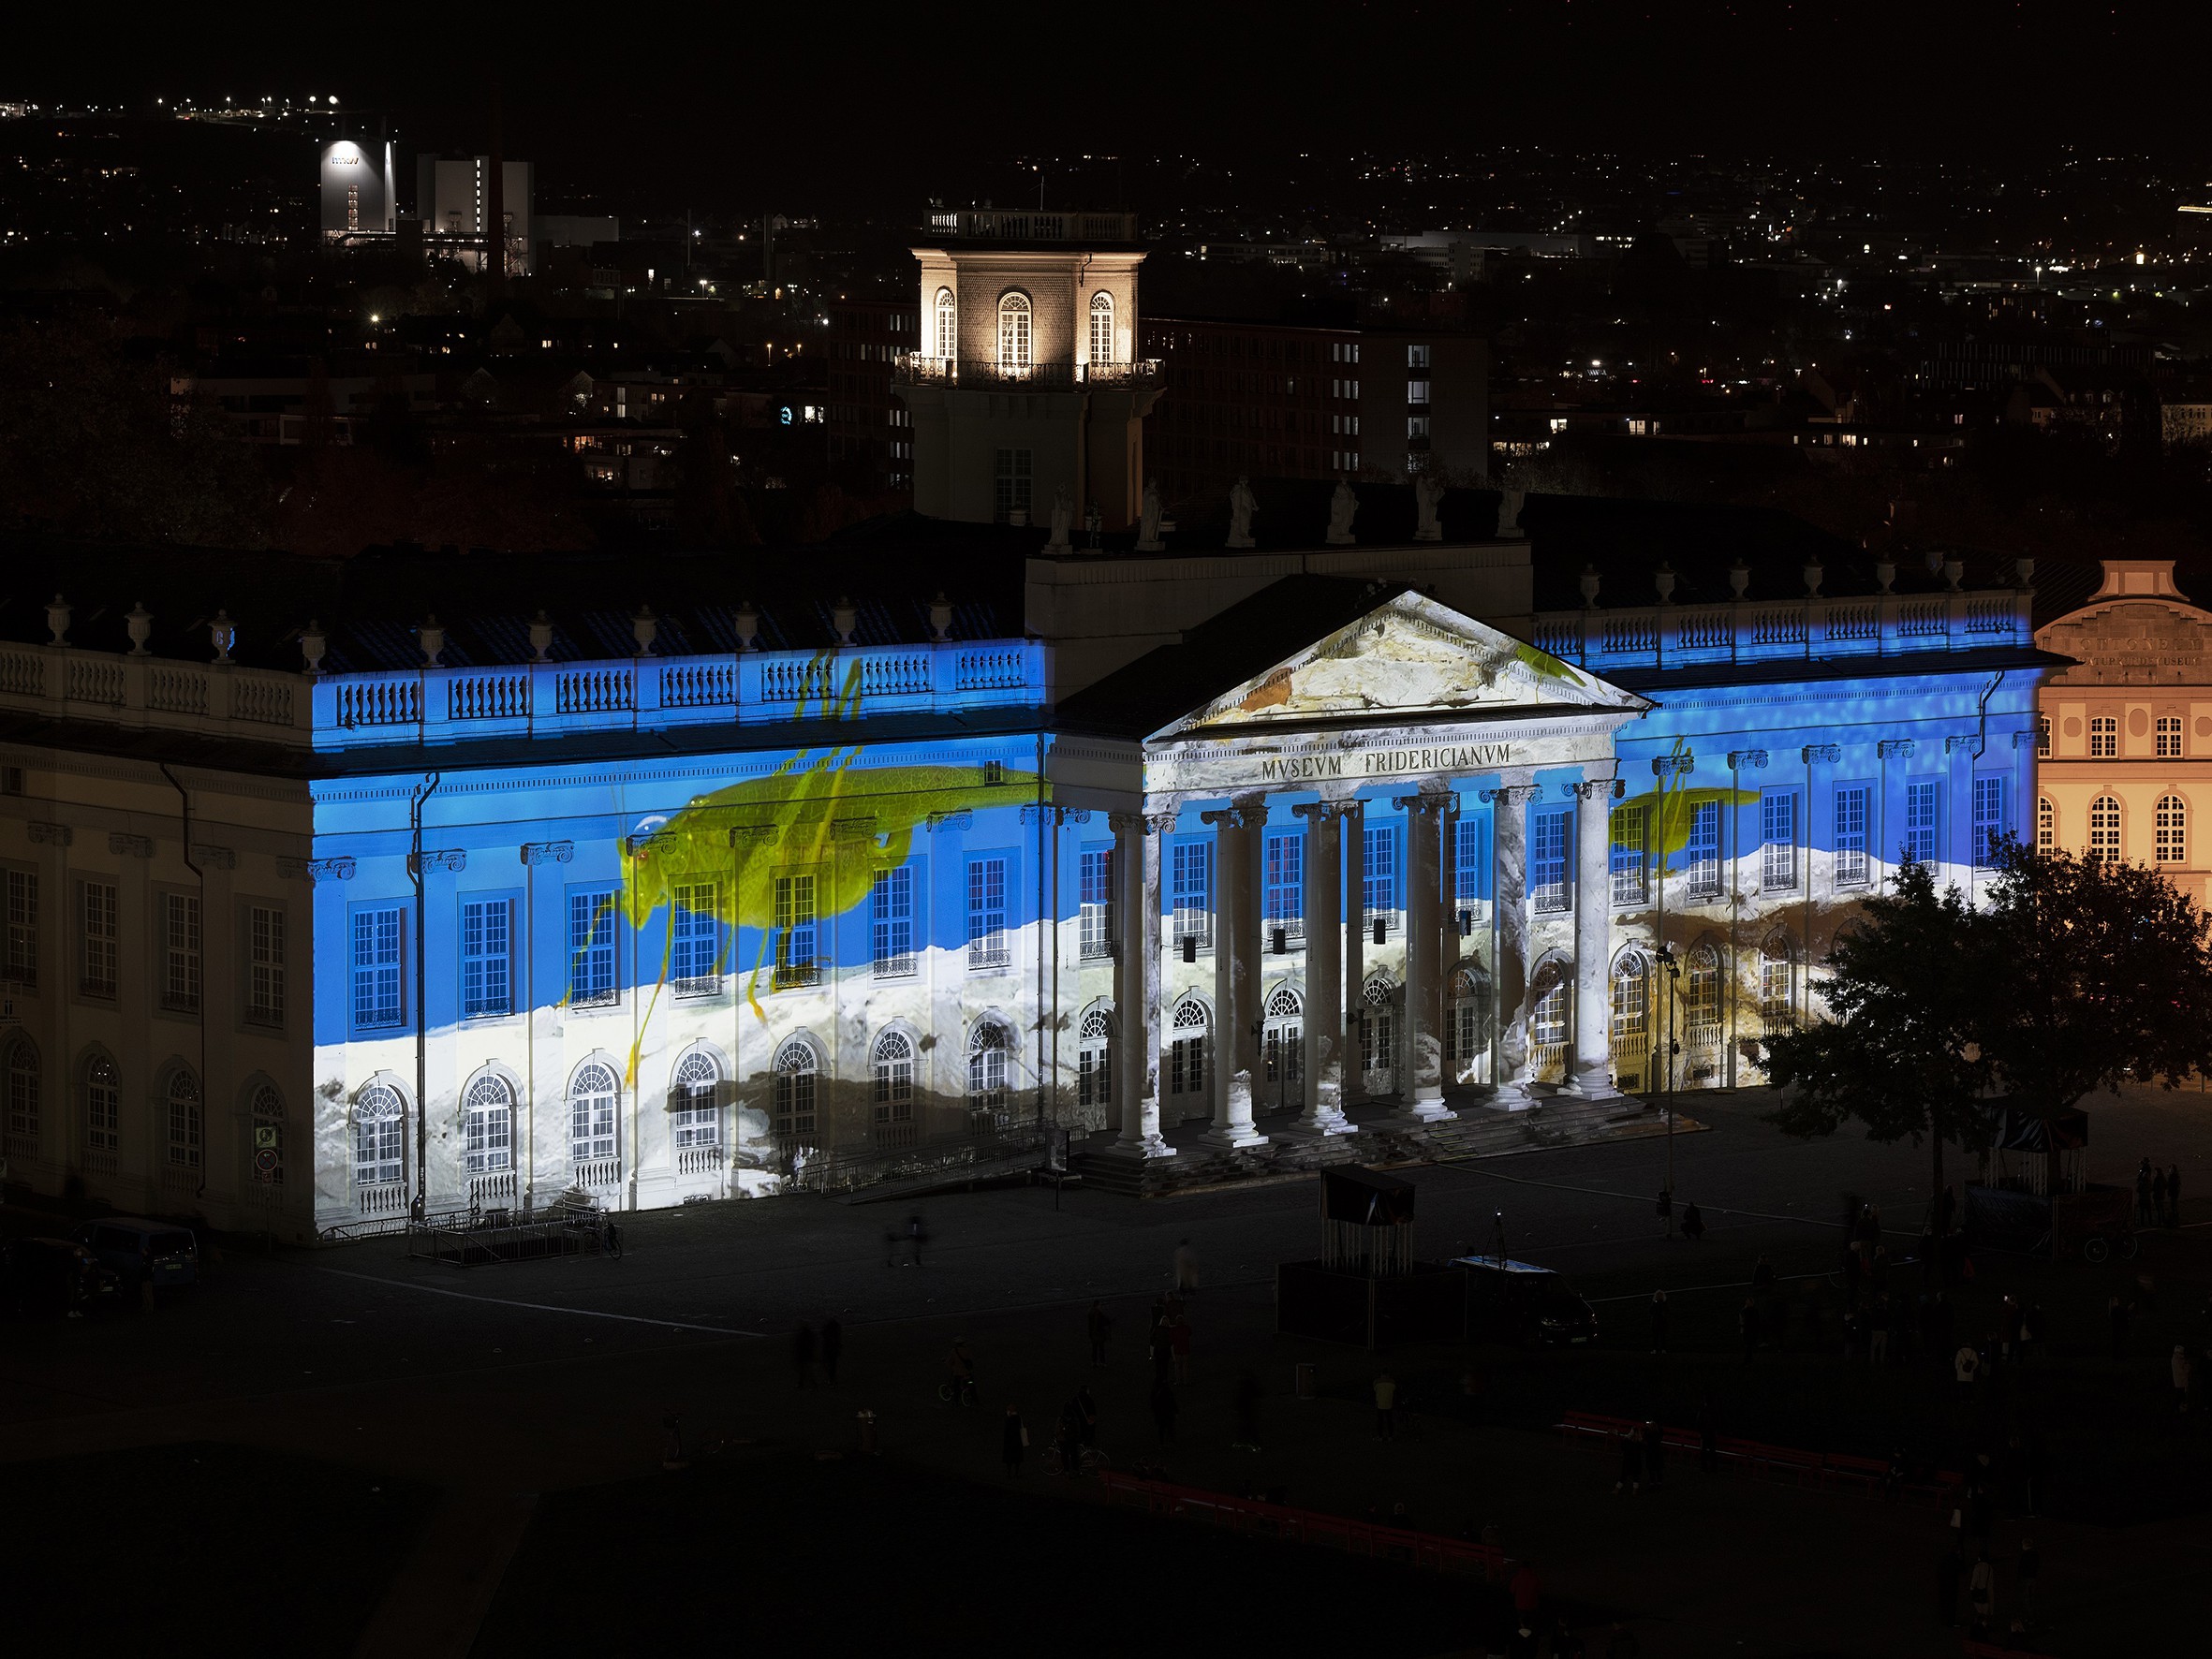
916 368
1039 225
1812 628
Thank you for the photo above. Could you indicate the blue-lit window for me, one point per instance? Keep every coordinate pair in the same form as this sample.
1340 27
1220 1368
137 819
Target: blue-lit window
1095 879
591 946
1631 879
1923 807
796 962
1191 892
1989 820
487 971
988 948
695 939
890 922
1702 850
1851 836
1548 874
1777 828
1378 875
1282 894
1470 861
377 935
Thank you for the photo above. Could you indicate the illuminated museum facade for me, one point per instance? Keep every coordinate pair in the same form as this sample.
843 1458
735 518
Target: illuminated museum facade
1278 839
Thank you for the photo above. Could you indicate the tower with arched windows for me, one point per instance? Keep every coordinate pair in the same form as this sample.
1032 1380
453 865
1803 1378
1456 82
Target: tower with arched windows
1025 386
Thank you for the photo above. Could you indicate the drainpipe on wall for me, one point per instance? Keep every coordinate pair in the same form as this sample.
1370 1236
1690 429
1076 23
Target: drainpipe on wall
422 793
200 876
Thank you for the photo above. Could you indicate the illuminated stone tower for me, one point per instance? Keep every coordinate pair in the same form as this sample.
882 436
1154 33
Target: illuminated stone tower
1025 384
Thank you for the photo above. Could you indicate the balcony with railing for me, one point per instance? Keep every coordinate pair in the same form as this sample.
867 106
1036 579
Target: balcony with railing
1026 224
914 368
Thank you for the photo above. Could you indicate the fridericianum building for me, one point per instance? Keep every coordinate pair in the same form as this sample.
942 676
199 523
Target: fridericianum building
305 925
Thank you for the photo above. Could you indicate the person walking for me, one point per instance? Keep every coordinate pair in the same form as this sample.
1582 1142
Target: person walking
1164 1407
2026 1570
1654 1454
1658 1322
1186 1269
1666 1211
1631 1479
833 1345
1099 1325
1179 1344
1693 1224
803 1353
1246 1400
1386 1405
1982 1592
1013 1442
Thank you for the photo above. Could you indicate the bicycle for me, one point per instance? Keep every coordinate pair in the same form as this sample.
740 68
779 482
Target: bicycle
960 1388
1089 1460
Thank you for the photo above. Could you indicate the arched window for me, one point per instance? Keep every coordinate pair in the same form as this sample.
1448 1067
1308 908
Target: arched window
2104 828
2171 846
694 1119
1285 1040
797 1071
593 1098
1102 328
1631 1004
987 1048
268 1114
488 1111
1777 983
1468 1027
1186 1054
2046 825
1094 1059
1548 1032
1700 995
1377 1031
184 1122
1014 349
103 1101
948 331
2043 737
379 1134
894 1077
23 1099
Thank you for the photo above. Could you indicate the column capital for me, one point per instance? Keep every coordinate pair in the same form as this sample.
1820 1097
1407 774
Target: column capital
1427 801
1141 823
1325 808
1747 759
1827 754
1668 766
1510 794
1597 789
1238 814
1894 749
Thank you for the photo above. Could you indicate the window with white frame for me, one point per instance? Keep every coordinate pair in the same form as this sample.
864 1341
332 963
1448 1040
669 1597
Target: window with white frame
2046 825
487 973
1380 877
593 1099
797 1072
796 959
1282 887
22 965
2043 737
1283 1051
488 1109
379 1137
1013 481
185 1127
265 962
695 1117
23 1099
1101 327
1417 392
2104 828
2171 831
1631 1005
1548 1020
948 325
103 1104
1631 871
695 936
1989 820
1467 1031
988 951
1700 994
591 947
1778 853
988 1047
1014 319
1702 850
1417 357
101 937
180 952
2104 736
1777 965
1549 878
1191 892
1187 1048
1851 835
1471 862
376 1000
1922 810
894 1079
1094 1059
2169 737
1095 879
890 922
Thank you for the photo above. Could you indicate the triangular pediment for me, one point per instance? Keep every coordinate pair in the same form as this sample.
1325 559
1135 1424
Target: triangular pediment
1407 659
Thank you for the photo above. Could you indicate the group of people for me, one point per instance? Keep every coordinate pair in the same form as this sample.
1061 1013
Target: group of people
2158 1194
1693 1220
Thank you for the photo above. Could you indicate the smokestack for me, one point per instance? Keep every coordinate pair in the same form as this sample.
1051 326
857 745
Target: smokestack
495 201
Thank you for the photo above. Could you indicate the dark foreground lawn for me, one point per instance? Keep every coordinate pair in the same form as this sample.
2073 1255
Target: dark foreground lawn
777 1553
183 1551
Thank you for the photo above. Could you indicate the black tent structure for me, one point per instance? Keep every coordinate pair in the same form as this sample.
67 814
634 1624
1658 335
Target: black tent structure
1365 1289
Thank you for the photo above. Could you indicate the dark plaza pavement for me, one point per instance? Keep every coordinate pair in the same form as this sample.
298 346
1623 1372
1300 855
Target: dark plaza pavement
499 1383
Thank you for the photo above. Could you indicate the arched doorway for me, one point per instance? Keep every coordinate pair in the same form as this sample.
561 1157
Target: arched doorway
1466 1028
1551 1044
1283 1045
1379 1036
1632 1020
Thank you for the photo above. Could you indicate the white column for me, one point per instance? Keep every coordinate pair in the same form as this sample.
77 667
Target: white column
1324 983
1136 1069
1509 892
1593 937
1236 973
1352 845
1422 1048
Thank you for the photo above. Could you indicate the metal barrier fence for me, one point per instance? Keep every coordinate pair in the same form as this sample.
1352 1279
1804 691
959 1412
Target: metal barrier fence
478 1238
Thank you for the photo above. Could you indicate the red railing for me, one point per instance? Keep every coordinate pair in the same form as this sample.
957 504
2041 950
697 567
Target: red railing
1764 1461
1306 1526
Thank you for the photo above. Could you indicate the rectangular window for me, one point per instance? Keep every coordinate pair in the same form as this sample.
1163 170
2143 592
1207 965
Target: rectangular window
1630 881
1471 864
1417 357
377 967
2104 737
2047 825
1548 874
1989 820
1921 806
1095 879
1378 875
1417 426
1014 483
487 959
22 927
1701 851
1851 836
890 922
1191 892
1417 392
987 946
591 946
2169 737
1777 827
180 952
264 962
2043 737
101 941
1282 888
796 928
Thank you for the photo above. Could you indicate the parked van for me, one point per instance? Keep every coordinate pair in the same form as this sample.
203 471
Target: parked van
1516 1301
156 1253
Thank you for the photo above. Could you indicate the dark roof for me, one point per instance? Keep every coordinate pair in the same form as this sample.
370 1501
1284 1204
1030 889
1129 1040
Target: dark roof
1221 653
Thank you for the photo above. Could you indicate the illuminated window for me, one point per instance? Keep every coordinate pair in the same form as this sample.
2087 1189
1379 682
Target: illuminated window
100 939
890 921
486 962
591 947
1285 1046
987 946
2104 828
2047 825
1378 884
1416 358
1777 983
948 333
1094 1059
103 1101
1631 1004
1547 859
1850 837
1467 1031
1548 1020
377 967
987 1050
795 959
1095 879
1777 818
1186 1050
2172 827
1990 821
1923 804
1700 994
1102 328
796 1074
1417 392
379 1137
593 1098
1282 887
2043 737
1191 892
1015 317
894 1079
265 945
2104 737
693 1116
2169 737
1702 850
1471 862
184 1119
489 1110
